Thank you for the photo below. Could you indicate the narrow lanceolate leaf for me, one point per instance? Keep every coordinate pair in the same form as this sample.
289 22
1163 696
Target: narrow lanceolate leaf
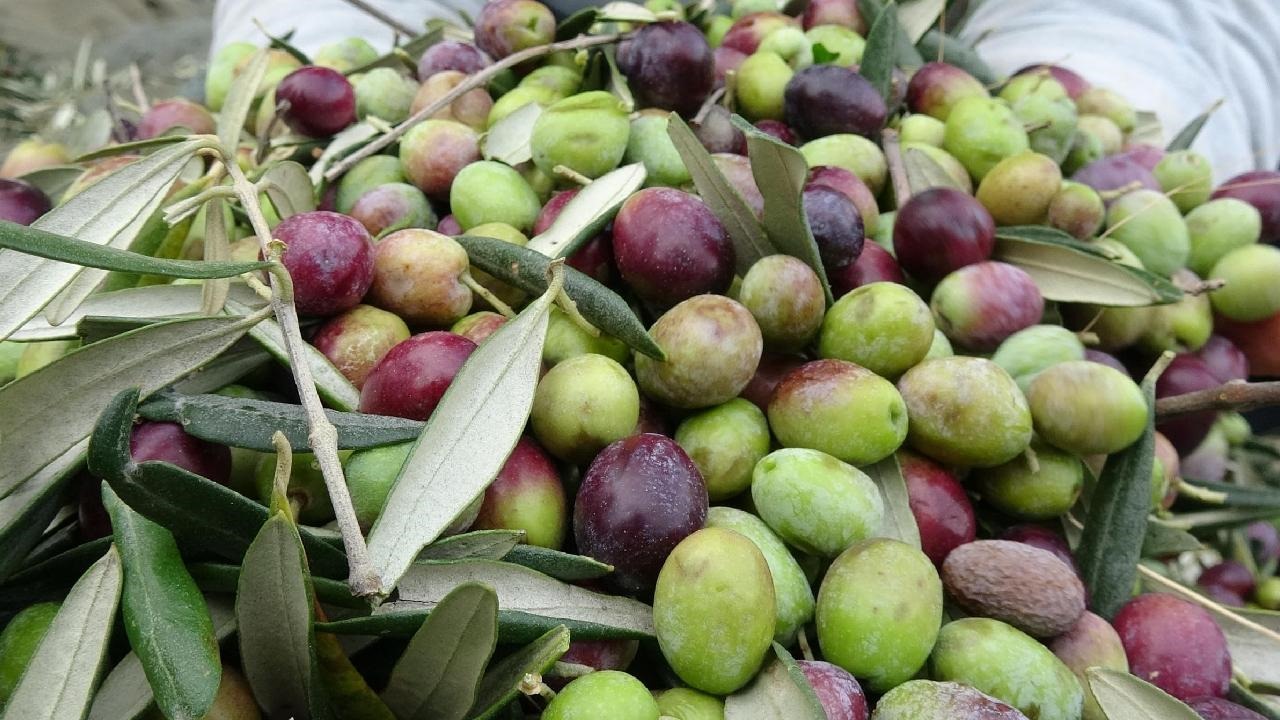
334 388
223 578
559 565
881 53
923 172
26 512
248 423
1266 705
31 241
50 579
53 181
617 84
130 147
240 96
626 12
289 188
898 522
274 615
482 544
1187 135
780 171
465 442
165 615
1111 542
956 52
342 144
1067 270
577 23
502 683
520 589
527 270
749 241
111 211
1126 697
779 692
348 693
1253 652
588 212
217 248
413 48
125 694
165 494
437 676
58 682
509 139
51 410
1162 540
915 17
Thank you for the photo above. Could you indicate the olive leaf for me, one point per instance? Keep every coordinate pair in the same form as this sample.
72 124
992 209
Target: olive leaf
54 180
1127 697
240 97
413 48
749 240
334 388
502 682
1234 495
49 579
217 248
165 616
289 188
342 144
27 511
627 12
1162 540
249 423
1216 519
129 148
584 216
111 211
559 565
1111 542
224 578
1253 653
520 589
1067 270
916 17
166 494
126 694
527 270
465 442
957 52
440 670
274 616
509 139
282 42
923 172
487 544
514 627
53 409
347 691
578 23
899 523
618 86
779 692
59 679
780 171
1268 708
881 52
1187 135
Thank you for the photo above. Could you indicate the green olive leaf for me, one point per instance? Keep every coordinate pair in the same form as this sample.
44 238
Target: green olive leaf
1253 653
249 423
1162 540
27 511
1206 520
52 577
54 180
53 409
157 239
413 48
559 565
109 212
440 671
289 188
627 12
223 578
584 216
165 616
617 81
1187 135
240 97
129 148
334 388
342 145
465 442
780 171
125 694
899 523
1235 495
509 139
923 172
485 544
881 53
1067 270
282 42
1268 708
502 682
274 614
1126 697
527 270
348 693
749 240
578 23
779 692
520 589
514 627
59 679
917 16
1111 542
957 52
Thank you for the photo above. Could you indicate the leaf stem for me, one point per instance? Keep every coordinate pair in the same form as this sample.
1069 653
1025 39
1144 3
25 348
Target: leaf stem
897 171
472 82
1235 395
322 435
487 296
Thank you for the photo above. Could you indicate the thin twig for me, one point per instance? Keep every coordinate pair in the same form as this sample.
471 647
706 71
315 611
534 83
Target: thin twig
324 438
382 17
897 171
1236 395
1195 597
472 82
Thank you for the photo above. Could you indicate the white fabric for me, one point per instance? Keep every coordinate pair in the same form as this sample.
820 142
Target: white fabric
319 22
1174 57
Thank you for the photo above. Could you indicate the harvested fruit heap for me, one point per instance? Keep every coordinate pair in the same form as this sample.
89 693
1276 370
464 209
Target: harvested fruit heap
659 363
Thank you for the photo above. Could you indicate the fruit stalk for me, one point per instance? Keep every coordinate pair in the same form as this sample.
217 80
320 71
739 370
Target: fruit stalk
323 436
478 79
1235 395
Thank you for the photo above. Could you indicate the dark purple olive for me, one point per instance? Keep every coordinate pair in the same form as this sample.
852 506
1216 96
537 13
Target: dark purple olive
451 55
1187 373
669 246
836 225
1226 361
669 65
825 100
941 230
330 258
